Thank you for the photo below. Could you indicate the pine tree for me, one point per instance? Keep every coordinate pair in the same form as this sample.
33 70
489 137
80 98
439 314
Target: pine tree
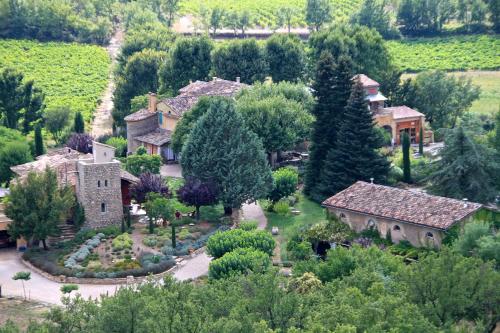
421 142
496 137
355 156
222 150
332 89
39 148
466 169
406 158
79 126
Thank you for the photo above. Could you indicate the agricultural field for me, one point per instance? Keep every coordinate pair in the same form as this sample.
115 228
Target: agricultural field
69 74
457 53
263 12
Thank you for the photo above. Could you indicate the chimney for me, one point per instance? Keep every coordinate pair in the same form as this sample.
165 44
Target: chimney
237 79
214 78
152 100
371 180
465 200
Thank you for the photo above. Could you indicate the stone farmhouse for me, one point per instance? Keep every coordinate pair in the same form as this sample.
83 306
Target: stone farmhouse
100 184
396 119
153 127
419 218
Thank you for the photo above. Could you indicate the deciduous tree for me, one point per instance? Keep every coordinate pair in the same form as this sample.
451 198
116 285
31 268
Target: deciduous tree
56 120
12 154
286 58
318 13
196 193
148 183
37 206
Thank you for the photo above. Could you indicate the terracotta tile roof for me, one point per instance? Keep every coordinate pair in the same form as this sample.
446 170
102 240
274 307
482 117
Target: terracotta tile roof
158 137
403 205
402 112
140 115
366 81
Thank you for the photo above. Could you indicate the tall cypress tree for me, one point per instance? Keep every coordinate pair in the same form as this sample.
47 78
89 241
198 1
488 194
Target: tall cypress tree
356 155
332 89
79 126
222 150
421 141
406 158
39 149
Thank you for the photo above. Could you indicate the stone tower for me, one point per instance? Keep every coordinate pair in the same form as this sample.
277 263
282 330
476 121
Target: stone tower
99 187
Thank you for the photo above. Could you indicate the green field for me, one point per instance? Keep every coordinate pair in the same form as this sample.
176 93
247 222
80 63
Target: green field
458 53
68 73
263 12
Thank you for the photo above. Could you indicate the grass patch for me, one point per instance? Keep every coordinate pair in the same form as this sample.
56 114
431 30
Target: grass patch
310 213
21 312
457 53
69 74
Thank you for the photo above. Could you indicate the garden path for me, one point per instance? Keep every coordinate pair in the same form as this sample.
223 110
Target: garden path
39 288
253 211
103 120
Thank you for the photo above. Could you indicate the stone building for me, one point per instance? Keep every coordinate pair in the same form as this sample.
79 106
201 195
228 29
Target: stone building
152 127
419 218
396 120
100 184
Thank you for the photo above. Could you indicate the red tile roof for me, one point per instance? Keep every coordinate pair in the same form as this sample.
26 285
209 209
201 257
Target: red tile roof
365 81
403 205
402 112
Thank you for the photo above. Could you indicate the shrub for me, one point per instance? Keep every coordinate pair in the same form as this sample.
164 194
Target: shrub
249 225
127 264
282 208
150 241
223 242
239 261
167 250
285 183
122 242
183 234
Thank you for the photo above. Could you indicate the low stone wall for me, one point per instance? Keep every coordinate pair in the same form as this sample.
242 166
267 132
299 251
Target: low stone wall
109 281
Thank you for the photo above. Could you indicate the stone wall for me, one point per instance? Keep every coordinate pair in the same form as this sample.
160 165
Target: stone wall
100 184
138 128
417 235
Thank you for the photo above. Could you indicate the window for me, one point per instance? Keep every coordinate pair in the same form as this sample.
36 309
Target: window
98 183
103 207
371 224
106 183
342 217
396 228
429 235
160 118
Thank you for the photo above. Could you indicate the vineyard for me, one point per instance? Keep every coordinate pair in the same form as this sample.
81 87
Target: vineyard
264 12
69 74
456 53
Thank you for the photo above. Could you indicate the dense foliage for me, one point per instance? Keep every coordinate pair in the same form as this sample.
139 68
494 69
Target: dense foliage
48 205
241 260
285 183
196 193
81 142
221 149
87 21
141 162
148 182
227 241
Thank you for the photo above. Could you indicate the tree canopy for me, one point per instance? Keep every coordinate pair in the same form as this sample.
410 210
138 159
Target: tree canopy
221 149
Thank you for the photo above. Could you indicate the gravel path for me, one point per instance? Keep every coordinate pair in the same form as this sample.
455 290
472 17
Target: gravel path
103 120
253 211
39 288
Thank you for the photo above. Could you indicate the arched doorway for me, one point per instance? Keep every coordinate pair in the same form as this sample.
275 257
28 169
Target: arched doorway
396 234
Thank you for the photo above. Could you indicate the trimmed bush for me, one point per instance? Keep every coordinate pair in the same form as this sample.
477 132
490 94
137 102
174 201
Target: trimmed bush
282 208
223 242
122 242
239 261
285 183
249 225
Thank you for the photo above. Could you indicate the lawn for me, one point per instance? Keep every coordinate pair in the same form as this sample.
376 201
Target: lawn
69 74
310 213
457 53
263 12
489 81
